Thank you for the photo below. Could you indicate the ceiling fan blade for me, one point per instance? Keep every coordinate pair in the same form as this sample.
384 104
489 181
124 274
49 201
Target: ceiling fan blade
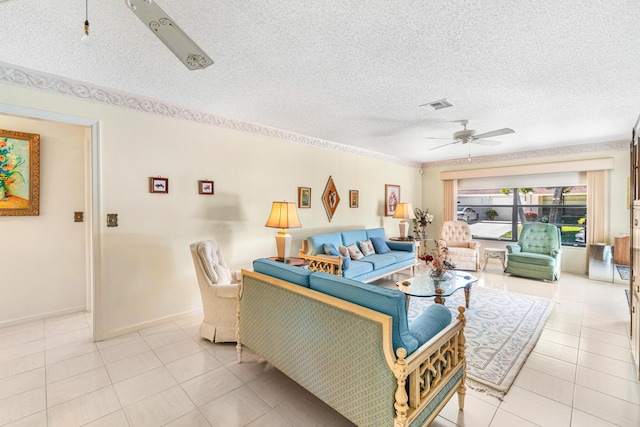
487 142
444 145
434 137
498 132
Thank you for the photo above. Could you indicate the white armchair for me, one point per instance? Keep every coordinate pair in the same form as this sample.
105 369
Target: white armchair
219 292
464 252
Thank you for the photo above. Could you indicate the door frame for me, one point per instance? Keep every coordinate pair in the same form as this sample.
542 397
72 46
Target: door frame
92 194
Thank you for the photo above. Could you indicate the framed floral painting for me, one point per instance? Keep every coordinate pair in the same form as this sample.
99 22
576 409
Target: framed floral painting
19 173
391 198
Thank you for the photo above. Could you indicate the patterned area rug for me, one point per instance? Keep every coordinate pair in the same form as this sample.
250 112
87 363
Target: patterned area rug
502 328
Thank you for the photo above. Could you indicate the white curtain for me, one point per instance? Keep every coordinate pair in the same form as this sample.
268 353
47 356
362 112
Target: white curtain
598 200
450 196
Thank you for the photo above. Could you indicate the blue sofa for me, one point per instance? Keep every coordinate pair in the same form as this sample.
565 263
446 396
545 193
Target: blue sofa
401 255
350 344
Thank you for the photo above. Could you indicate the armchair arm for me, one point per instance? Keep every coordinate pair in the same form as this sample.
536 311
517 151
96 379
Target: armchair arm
514 249
226 291
556 252
474 245
236 275
442 243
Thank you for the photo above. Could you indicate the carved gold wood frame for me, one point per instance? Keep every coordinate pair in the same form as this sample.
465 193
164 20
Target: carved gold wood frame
304 197
330 198
391 198
19 173
354 198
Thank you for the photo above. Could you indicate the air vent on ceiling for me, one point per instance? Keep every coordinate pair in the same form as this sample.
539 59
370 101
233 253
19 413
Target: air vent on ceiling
438 105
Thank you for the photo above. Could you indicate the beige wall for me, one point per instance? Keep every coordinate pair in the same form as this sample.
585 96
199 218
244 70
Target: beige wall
146 269
43 257
573 259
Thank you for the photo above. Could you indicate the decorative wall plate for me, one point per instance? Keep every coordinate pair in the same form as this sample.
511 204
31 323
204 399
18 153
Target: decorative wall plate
330 198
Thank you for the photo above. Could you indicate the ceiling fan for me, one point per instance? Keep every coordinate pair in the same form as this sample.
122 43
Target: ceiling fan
469 135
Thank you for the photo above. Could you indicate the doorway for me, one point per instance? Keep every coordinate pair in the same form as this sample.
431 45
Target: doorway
58 254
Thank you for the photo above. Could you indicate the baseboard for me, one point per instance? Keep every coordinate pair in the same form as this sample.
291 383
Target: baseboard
143 325
41 316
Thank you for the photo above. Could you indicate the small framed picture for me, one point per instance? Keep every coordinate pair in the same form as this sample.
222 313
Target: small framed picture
205 187
304 197
353 198
391 198
158 185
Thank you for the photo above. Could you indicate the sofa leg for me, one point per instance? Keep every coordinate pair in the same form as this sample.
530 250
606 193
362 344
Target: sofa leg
462 392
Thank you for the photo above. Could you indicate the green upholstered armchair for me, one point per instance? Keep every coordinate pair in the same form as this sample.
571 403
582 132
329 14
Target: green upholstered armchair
537 254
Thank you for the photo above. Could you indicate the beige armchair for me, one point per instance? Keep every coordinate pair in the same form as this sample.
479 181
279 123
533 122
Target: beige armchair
464 252
219 292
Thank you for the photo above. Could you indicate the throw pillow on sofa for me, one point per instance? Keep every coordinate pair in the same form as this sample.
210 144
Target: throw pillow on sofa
344 251
354 252
380 245
329 249
367 248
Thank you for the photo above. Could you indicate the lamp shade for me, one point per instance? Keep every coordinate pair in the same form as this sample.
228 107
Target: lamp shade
404 211
283 215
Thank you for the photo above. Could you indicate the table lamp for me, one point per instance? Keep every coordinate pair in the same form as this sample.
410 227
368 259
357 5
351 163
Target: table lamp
283 215
403 211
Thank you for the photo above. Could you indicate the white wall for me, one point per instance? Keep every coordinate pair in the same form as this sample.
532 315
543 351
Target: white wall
43 257
147 271
574 260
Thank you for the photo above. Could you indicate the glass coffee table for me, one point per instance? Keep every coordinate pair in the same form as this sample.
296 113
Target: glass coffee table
422 285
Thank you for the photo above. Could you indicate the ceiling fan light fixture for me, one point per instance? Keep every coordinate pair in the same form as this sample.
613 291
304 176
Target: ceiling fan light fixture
169 33
438 105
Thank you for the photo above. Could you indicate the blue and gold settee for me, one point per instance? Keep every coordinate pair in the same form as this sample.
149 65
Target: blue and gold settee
537 254
351 345
334 253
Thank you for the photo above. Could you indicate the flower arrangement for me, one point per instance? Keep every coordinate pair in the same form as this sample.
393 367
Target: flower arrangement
421 222
438 261
9 163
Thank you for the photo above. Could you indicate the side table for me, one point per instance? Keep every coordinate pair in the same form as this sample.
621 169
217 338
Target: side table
494 253
294 261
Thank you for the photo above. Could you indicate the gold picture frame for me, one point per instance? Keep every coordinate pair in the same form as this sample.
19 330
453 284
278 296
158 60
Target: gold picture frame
19 173
353 198
391 198
304 197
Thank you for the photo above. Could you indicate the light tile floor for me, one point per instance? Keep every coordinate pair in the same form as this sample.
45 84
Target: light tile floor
580 373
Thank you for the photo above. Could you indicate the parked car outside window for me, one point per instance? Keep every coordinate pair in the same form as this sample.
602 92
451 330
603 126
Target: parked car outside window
467 214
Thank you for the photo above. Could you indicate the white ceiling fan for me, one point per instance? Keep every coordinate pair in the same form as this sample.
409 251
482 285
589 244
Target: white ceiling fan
469 135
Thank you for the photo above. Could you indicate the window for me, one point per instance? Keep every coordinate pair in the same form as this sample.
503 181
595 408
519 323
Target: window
498 213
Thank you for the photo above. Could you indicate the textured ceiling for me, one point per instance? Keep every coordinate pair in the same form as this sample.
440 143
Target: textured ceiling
559 73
